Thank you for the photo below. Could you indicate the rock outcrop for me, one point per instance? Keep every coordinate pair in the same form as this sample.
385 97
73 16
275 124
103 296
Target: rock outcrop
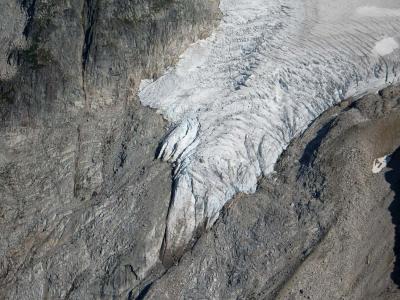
323 227
83 202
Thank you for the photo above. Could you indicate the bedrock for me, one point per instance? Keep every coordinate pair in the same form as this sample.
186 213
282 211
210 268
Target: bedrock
83 202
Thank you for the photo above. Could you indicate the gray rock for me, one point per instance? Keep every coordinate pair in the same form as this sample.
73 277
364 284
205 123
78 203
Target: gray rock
83 202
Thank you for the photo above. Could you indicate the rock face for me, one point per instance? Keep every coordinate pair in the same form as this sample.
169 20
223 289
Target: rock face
324 227
83 202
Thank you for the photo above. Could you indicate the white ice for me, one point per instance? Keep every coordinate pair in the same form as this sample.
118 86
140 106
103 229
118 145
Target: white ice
386 46
237 99
378 12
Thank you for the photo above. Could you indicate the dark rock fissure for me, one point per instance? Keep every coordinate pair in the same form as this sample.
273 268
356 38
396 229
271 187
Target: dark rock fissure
76 176
309 152
89 16
30 6
143 292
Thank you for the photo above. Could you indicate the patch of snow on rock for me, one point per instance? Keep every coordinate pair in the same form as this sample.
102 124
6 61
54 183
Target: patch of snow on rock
380 163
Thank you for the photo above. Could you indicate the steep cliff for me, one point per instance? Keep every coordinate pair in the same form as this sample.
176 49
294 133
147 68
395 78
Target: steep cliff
83 202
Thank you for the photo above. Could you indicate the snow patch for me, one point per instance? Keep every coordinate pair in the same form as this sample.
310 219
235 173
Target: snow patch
380 163
386 46
377 12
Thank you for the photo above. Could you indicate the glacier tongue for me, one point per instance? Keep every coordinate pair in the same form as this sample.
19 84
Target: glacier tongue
240 96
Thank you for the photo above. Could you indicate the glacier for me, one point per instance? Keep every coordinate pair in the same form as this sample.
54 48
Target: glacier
237 99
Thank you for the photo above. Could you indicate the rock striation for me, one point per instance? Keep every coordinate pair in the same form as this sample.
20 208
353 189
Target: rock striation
83 202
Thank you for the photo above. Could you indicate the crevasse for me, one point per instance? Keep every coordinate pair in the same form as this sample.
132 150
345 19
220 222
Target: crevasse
238 98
